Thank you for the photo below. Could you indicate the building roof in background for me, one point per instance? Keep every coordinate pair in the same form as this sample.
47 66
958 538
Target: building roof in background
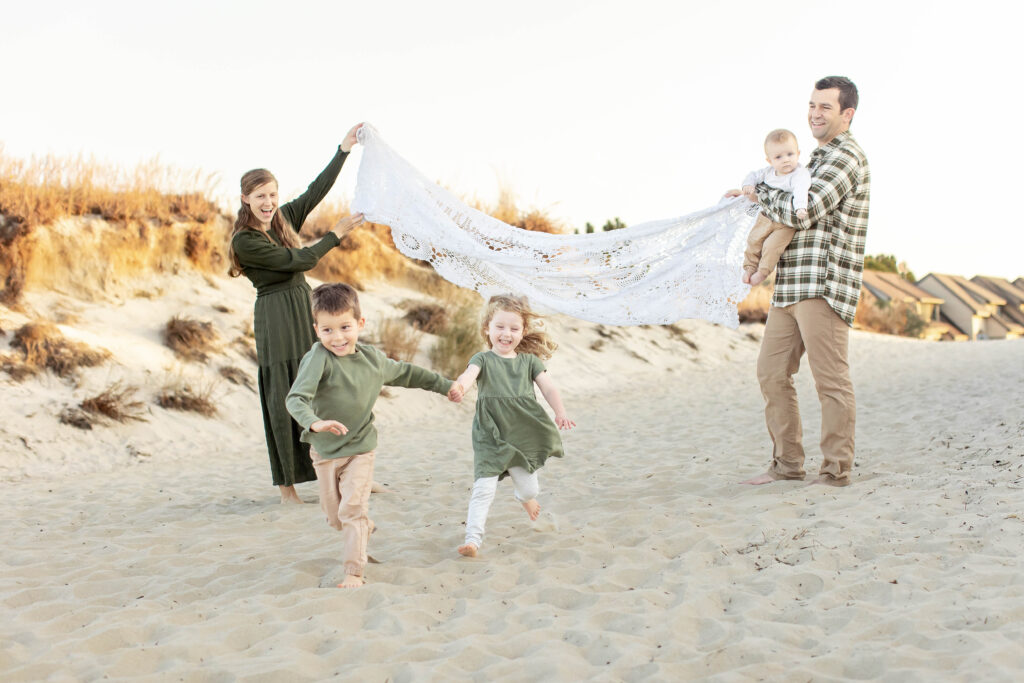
1013 294
892 286
974 296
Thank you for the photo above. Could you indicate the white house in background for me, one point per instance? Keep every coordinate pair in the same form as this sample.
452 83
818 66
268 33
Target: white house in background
1014 308
971 308
1019 283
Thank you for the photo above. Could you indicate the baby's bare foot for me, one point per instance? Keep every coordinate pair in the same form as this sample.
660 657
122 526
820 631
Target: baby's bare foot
532 508
351 582
757 278
468 550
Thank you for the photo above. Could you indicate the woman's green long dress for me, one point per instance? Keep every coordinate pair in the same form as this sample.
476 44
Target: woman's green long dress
283 321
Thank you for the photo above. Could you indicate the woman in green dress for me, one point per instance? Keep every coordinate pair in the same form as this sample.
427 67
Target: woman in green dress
265 247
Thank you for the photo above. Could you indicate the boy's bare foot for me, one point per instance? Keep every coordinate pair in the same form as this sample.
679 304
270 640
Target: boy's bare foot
288 495
765 478
468 550
532 508
757 278
351 582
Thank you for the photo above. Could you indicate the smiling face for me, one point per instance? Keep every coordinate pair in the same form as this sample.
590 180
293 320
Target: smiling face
338 332
783 155
504 332
263 203
825 117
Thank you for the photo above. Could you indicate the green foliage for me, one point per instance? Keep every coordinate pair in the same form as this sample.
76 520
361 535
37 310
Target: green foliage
614 224
915 325
886 263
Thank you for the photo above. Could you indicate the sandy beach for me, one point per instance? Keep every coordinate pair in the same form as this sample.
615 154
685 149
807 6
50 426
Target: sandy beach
158 550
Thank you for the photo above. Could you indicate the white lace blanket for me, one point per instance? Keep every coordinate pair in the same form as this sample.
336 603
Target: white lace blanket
652 273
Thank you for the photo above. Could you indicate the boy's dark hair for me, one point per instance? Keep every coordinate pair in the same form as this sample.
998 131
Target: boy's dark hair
848 97
334 298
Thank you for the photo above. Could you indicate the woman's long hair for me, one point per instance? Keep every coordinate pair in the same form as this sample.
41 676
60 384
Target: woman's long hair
247 219
535 340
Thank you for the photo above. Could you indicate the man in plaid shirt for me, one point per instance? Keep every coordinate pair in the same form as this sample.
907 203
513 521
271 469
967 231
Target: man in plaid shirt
817 286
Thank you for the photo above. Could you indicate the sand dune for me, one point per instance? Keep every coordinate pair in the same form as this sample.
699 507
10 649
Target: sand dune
157 550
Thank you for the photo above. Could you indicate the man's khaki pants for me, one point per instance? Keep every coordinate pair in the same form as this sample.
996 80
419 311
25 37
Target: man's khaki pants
812 326
345 498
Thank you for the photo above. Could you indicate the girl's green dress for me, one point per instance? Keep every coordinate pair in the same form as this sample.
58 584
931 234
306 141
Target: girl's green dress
283 321
510 428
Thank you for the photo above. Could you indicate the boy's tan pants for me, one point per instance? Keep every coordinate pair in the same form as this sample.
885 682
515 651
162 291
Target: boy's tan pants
812 326
765 244
345 498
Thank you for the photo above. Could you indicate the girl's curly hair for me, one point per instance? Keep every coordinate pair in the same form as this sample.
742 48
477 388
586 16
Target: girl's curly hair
535 340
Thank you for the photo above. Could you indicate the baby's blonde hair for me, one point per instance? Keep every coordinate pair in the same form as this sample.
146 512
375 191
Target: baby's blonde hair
778 135
535 341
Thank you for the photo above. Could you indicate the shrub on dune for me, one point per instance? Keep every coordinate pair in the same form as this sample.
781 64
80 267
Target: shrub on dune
46 348
190 339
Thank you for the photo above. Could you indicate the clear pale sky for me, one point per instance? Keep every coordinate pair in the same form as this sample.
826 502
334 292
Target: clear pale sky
587 110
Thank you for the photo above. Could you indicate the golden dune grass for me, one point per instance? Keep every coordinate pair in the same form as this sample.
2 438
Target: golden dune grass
144 201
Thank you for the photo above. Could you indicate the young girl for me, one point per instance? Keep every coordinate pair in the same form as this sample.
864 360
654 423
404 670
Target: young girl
512 435
265 248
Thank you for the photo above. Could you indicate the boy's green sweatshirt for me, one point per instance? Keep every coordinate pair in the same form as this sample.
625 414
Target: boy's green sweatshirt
345 388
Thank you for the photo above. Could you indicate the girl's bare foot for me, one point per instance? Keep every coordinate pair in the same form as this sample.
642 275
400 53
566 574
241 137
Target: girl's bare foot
288 495
468 550
532 508
351 582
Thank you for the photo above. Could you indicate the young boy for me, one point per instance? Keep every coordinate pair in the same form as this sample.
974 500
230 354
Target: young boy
332 399
767 240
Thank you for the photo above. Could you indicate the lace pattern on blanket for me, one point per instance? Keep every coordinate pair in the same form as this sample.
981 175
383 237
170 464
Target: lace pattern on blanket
653 273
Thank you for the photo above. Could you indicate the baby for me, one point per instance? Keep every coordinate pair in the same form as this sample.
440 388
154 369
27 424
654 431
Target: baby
767 240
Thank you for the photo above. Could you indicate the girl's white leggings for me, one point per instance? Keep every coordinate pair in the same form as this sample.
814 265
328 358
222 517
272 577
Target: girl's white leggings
526 487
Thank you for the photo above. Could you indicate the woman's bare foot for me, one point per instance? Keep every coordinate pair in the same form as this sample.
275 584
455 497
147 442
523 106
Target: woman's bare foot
532 508
288 495
468 550
351 582
380 488
765 478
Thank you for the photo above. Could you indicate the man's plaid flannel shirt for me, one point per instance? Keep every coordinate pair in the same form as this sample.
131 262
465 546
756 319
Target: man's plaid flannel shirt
826 257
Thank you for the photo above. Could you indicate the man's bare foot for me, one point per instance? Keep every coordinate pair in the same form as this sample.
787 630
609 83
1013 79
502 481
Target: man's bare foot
765 478
351 582
757 278
288 495
468 550
532 508
829 481
380 488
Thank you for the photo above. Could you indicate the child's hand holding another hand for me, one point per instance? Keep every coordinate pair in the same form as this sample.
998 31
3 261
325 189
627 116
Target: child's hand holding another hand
456 393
